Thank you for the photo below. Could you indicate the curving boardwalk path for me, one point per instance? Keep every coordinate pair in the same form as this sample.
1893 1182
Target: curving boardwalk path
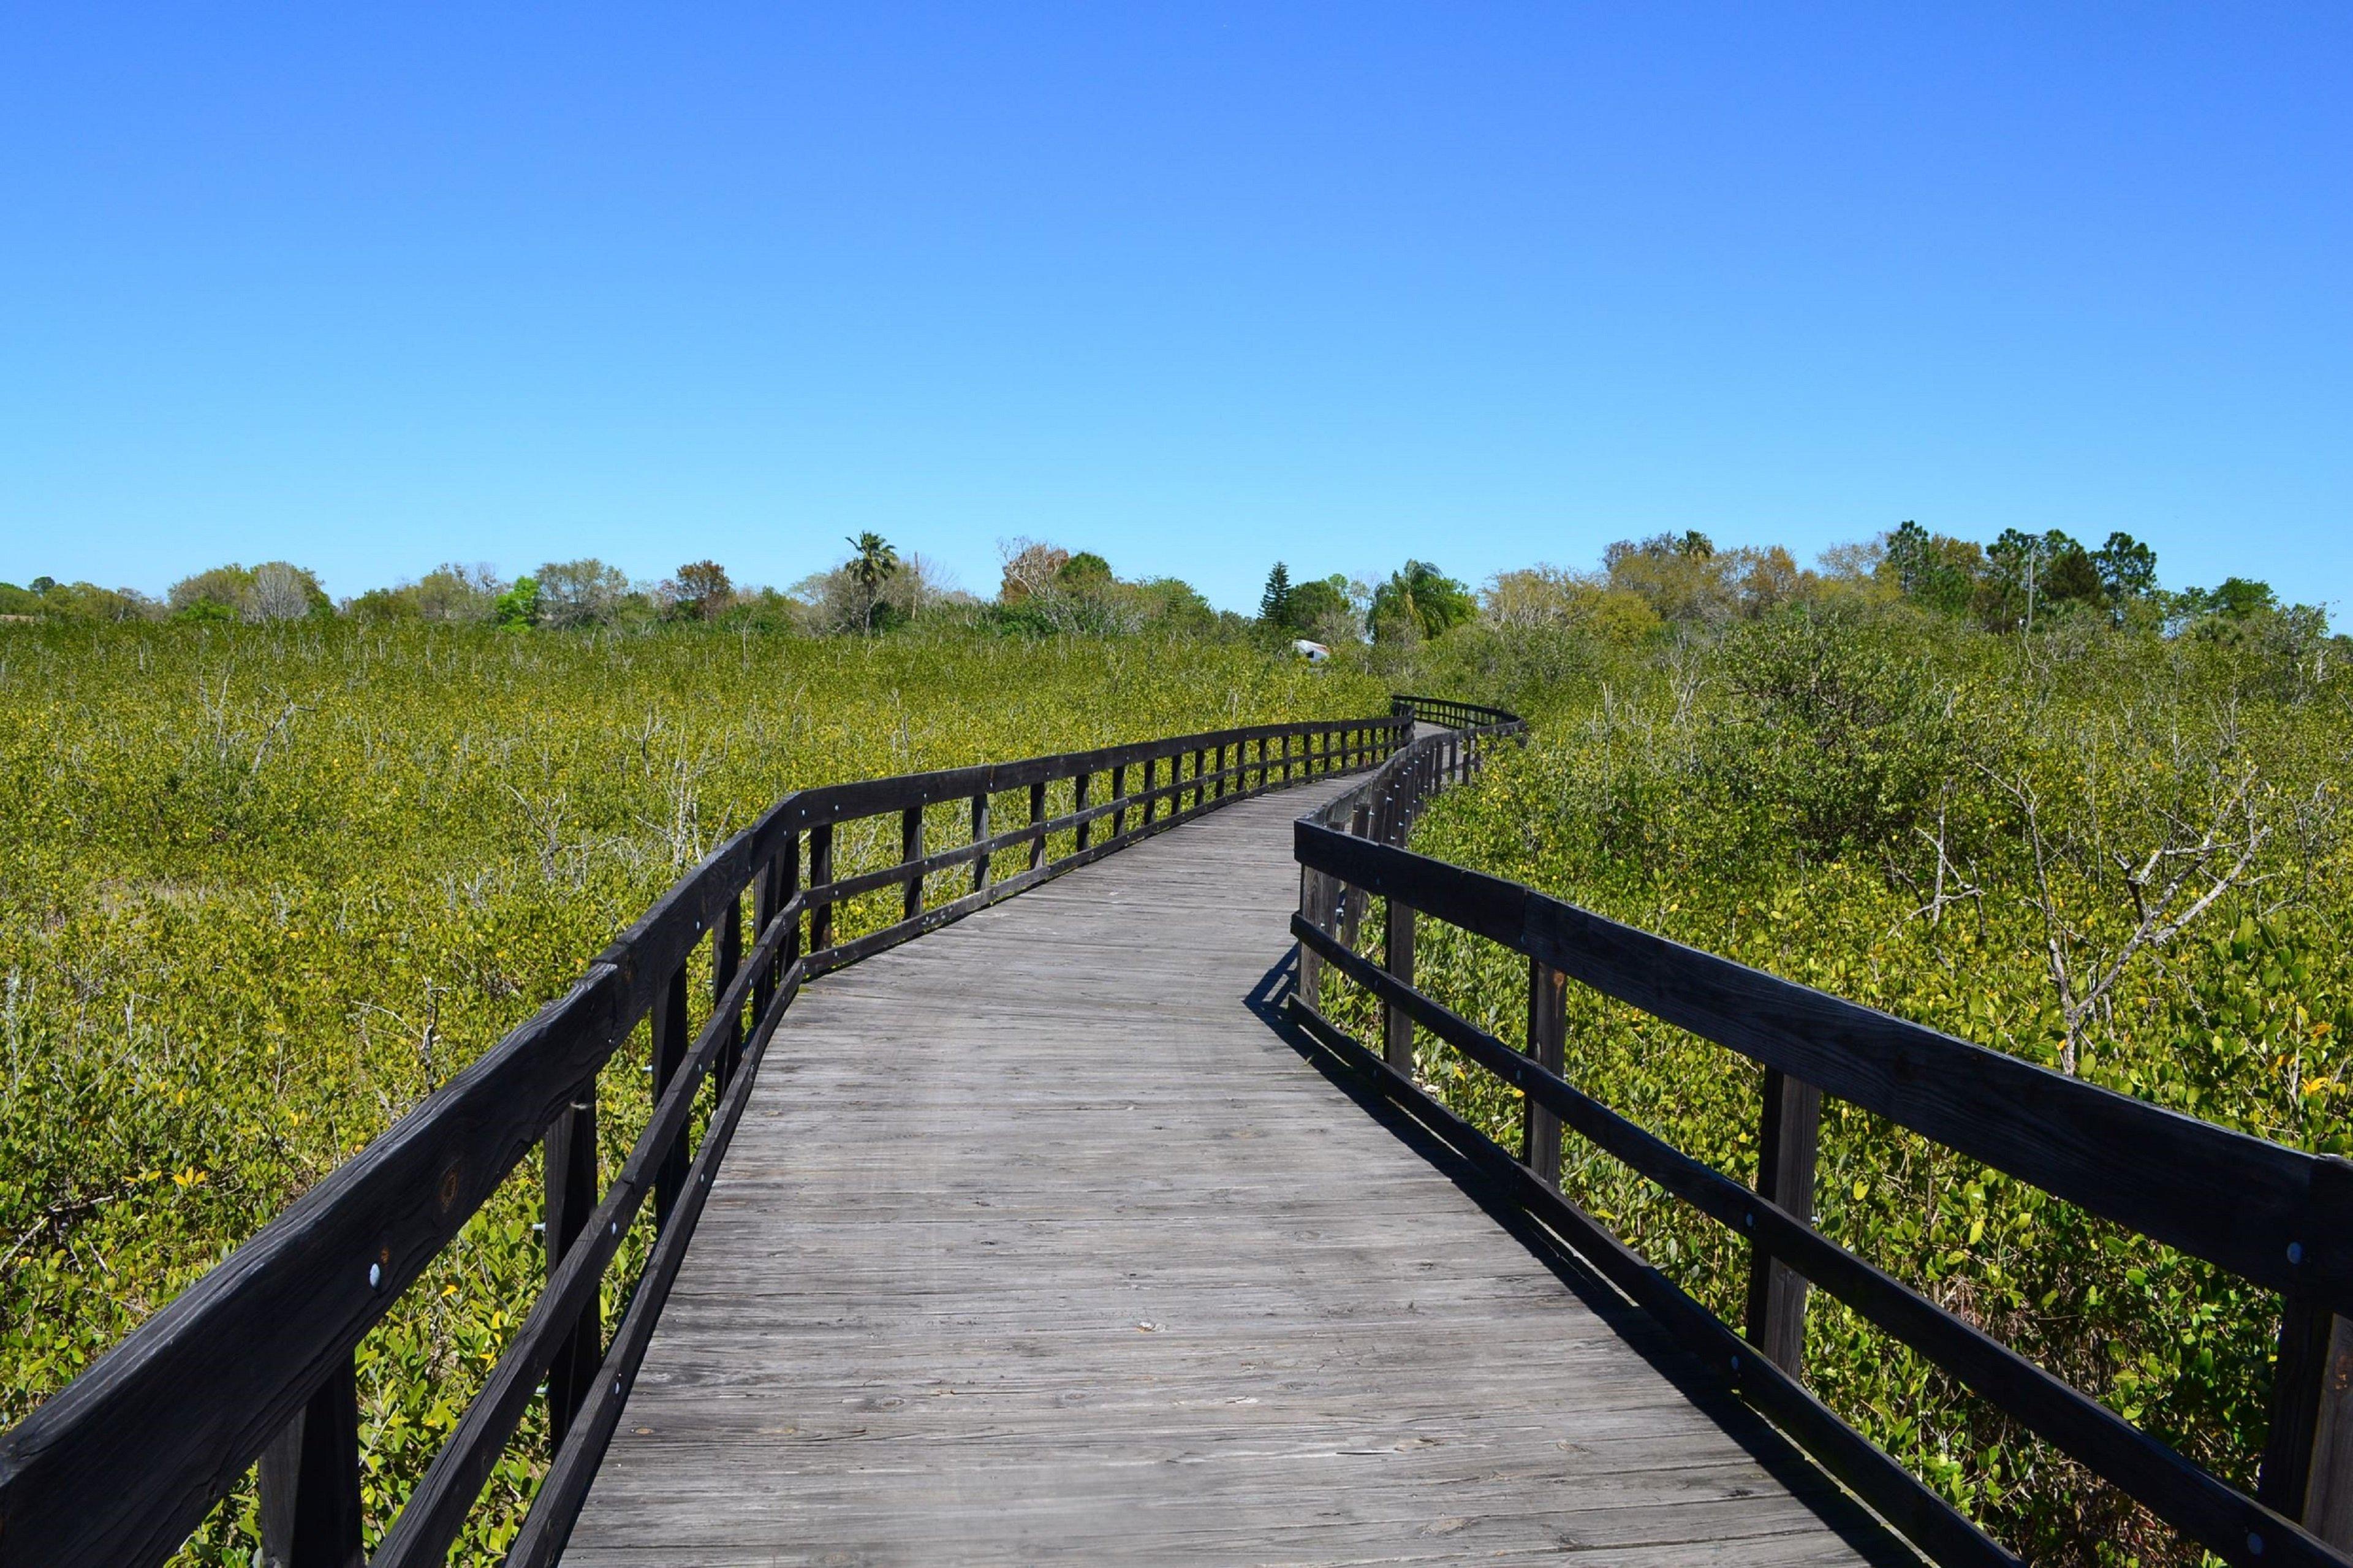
1040 1243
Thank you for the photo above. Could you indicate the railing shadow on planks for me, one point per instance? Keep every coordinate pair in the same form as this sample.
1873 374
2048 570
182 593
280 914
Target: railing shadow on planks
254 1362
2276 1217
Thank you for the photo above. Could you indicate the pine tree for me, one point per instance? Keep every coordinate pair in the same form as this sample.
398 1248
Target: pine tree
1274 605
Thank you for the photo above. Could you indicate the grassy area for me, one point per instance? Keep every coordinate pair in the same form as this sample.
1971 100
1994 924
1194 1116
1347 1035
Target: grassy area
266 887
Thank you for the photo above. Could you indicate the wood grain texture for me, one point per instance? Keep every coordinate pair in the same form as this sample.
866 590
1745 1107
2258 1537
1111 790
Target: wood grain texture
1129 1279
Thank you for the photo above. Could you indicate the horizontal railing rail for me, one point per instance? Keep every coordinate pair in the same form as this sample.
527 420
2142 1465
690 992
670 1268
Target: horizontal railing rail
255 1361
2274 1216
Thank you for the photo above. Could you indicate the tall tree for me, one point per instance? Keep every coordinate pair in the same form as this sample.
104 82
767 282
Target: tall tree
2128 570
2033 570
869 569
1319 608
582 593
701 589
1419 600
1274 603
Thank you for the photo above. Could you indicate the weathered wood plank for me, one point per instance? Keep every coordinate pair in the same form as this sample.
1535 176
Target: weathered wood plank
1130 1281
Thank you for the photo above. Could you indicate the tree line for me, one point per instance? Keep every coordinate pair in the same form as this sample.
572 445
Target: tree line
2016 583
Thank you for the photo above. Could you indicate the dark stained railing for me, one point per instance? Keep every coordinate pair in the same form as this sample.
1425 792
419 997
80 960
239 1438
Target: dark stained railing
1456 715
2274 1216
255 1361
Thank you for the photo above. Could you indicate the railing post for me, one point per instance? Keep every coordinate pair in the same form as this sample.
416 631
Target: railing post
1200 777
787 877
1787 1141
820 916
726 958
1079 803
2301 1404
766 898
671 1040
568 1176
911 849
2328 1475
1037 816
311 1480
1119 799
1547 1036
980 868
1352 898
1397 1023
1312 901
1151 801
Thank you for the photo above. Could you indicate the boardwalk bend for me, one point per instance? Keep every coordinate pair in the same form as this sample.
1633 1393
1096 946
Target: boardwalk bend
1079 1232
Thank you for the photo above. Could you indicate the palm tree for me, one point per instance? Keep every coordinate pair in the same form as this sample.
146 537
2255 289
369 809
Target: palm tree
869 569
1420 601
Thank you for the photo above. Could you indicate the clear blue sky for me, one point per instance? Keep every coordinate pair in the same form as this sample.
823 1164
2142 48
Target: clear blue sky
1194 286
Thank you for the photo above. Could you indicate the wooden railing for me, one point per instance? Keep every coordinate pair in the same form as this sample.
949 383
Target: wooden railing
1455 715
255 1361
2274 1216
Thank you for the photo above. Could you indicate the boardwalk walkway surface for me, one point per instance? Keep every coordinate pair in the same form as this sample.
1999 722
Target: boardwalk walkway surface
1040 1242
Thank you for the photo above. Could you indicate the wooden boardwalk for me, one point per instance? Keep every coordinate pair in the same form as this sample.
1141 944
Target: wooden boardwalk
1042 1242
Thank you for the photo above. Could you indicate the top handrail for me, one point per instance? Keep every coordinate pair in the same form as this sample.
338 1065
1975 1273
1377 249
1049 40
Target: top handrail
124 1462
